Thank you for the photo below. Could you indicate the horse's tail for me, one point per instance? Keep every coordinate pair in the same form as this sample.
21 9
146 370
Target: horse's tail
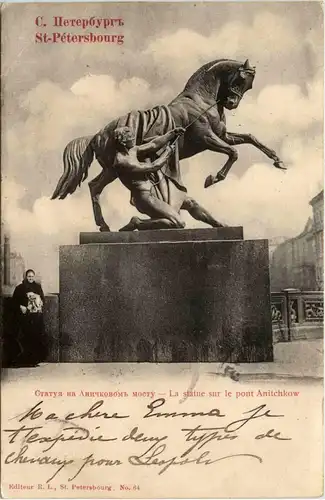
77 158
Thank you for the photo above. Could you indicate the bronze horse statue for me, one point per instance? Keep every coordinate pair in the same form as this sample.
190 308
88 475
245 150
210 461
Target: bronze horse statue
199 109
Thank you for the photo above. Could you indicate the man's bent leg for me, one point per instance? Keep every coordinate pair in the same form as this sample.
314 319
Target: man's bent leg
200 213
147 224
163 216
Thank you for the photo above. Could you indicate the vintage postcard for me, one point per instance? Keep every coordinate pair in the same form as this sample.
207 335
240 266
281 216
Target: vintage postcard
162 250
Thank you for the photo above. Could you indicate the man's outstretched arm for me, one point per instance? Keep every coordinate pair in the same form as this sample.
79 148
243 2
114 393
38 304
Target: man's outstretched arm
159 142
133 168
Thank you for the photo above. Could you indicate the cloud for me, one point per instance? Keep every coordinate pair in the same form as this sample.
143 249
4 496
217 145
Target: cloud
38 233
268 202
268 37
279 111
55 114
273 108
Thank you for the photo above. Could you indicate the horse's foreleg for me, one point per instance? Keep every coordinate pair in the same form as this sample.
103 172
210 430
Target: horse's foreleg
200 213
214 143
237 139
96 187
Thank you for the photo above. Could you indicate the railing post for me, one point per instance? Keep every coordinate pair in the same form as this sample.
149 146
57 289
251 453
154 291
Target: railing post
301 312
287 292
288 314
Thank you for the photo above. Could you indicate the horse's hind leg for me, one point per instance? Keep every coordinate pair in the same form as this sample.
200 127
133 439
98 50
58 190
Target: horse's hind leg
199 213
96 187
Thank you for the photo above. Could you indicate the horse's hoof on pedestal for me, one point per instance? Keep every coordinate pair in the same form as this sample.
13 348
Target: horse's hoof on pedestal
209 181
105 229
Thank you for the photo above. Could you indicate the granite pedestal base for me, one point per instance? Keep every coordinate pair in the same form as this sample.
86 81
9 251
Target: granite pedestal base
129 297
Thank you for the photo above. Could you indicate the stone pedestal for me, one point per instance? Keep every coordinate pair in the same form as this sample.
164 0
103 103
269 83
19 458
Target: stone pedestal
151 296
164 235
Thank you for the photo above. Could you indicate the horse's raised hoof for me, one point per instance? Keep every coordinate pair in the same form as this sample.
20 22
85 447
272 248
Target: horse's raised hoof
280 164
219 177
104 229
209 181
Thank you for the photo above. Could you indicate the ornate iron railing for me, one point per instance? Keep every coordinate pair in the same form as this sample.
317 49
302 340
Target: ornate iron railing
295 313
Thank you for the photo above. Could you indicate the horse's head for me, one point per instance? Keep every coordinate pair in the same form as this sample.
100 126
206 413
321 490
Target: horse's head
225 80
235 84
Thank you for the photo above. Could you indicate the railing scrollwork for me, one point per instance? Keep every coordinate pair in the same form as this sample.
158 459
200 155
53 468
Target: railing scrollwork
305 309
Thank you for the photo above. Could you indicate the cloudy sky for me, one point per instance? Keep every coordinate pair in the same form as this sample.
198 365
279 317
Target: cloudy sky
54 93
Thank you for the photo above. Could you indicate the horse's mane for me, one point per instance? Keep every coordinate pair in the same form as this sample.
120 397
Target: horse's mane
201 72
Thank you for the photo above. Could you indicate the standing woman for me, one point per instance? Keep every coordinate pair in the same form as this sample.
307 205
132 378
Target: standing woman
28 301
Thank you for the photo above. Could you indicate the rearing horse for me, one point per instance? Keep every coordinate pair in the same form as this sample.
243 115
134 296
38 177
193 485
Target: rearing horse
199 109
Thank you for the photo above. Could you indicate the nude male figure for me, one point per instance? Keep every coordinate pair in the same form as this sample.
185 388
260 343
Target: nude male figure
135 176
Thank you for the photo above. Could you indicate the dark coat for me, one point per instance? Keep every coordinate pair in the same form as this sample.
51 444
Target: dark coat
29 327
20 294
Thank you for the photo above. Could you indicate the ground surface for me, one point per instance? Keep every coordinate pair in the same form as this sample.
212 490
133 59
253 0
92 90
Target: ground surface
300 359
